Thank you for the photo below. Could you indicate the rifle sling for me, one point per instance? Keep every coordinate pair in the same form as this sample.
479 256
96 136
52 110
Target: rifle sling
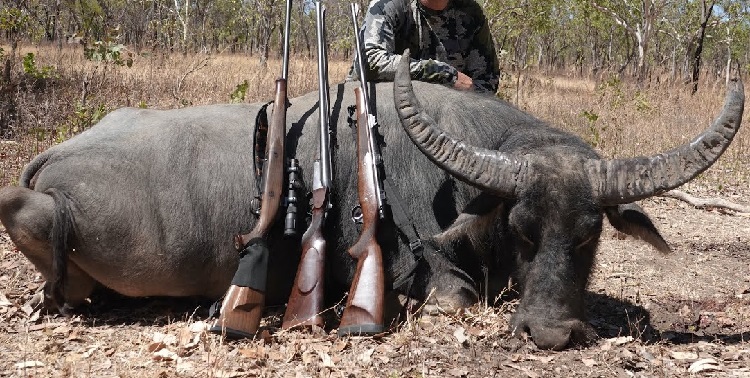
260 136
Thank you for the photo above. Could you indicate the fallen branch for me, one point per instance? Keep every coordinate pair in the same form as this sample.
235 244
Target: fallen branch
703 203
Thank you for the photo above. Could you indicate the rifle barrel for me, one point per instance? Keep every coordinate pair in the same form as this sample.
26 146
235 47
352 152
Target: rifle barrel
287 26
324 155
371 121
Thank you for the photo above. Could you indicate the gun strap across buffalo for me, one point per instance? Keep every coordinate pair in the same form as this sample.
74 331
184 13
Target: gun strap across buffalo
403 267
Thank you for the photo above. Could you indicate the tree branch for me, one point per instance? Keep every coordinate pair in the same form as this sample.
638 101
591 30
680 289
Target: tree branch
703 203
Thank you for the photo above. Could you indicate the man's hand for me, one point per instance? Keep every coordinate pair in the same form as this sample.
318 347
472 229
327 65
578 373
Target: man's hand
463 82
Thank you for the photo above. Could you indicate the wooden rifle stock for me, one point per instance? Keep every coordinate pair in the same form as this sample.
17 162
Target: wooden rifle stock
364 307
306 300
242 307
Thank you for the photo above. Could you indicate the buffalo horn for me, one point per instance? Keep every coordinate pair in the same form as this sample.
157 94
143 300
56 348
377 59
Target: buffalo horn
493 171
619 181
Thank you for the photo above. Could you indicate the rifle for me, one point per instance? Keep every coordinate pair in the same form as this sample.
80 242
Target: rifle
306 300
363 313
242 307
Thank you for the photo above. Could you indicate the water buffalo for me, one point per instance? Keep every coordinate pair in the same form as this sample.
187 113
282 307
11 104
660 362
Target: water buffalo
147 201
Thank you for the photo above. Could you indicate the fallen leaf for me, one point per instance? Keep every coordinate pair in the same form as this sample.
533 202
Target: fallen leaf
153 347
186 336
683 355
542 359
588 362
41 326
90 351
165 355
106 365
340 346
29 364
366 356
325 359
198 327
266 336
253 353
526 370
184 367
476 332
275 355
460 334
4 302
705 364
27 309
308 357
620 340
62 329
458 372
229 374
34 316
165 338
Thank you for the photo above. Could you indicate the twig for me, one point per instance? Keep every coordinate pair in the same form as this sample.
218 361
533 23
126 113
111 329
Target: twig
203 62
703 203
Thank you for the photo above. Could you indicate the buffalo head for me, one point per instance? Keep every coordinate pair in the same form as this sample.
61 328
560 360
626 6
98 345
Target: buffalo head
556 191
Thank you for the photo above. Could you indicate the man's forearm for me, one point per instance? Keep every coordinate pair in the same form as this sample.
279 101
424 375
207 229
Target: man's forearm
382 67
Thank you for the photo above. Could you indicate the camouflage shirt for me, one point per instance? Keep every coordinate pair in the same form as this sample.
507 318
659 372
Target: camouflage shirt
441 43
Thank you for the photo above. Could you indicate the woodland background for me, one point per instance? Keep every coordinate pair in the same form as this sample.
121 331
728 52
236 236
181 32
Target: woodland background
647 41
623 36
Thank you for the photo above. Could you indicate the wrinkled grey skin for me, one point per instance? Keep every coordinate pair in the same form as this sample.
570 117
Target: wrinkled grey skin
155 197
555 192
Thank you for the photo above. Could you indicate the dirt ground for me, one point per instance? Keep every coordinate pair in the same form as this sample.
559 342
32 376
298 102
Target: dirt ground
657 315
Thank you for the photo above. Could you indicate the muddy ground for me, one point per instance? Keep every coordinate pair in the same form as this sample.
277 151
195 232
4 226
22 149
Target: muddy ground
657 315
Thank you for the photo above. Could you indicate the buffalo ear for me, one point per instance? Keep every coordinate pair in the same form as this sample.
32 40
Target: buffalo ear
632 220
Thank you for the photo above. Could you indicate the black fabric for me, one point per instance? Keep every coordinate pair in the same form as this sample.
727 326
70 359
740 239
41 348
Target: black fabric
253 268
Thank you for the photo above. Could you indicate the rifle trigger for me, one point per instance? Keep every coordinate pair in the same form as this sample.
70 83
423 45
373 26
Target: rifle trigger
415 245
255 206
357 216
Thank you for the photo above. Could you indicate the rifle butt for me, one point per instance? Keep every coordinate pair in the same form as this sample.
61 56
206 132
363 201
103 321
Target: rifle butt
305 305
242 307
241 312
363 314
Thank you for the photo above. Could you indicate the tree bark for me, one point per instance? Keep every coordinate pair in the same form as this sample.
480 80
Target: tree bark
706 11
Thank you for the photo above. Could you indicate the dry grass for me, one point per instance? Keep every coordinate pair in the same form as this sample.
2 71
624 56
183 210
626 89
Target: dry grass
69 103
697 297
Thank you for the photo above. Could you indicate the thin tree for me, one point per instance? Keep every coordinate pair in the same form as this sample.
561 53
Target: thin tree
706 11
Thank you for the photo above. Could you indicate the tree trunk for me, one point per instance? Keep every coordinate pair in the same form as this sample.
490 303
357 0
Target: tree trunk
705 16
303 29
